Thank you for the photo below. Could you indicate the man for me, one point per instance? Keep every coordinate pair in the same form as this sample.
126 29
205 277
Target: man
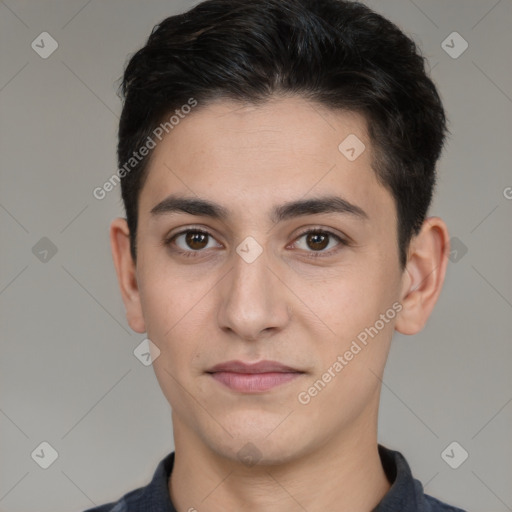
277 162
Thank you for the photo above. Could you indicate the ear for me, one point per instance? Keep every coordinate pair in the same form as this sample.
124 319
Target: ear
126 273
424 275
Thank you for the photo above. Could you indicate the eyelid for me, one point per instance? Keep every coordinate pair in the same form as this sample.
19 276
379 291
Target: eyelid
320 229
196 229
342 240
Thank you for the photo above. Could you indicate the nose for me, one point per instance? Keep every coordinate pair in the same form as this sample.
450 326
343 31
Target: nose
254 300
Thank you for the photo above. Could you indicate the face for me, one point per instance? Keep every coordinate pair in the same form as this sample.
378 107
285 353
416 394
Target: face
255 283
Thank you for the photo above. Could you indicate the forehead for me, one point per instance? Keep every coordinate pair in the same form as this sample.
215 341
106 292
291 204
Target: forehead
275 129
243 156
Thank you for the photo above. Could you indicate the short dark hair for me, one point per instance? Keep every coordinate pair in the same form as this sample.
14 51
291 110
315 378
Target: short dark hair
338 53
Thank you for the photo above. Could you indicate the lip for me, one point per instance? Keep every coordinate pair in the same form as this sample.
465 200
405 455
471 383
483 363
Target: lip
253 378
259 367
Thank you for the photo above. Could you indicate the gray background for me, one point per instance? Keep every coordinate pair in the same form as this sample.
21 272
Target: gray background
68 373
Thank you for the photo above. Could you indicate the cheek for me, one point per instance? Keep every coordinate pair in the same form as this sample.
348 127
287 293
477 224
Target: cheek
177 311
165 307
173 325
167 295
342 304
347 318
159 304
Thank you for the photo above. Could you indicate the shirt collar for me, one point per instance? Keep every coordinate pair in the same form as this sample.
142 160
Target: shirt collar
405 493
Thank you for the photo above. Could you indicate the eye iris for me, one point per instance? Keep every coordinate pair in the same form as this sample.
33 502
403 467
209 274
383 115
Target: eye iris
316 242
194 237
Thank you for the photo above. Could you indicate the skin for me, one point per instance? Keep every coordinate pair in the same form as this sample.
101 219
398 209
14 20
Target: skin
284 306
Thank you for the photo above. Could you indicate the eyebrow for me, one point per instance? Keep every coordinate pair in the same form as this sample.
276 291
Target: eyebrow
286 211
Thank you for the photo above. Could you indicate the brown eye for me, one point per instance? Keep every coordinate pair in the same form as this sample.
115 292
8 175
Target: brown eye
191 242
196 240
317 241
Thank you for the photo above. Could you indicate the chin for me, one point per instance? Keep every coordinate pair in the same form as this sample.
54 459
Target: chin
260 441
258 426
258 453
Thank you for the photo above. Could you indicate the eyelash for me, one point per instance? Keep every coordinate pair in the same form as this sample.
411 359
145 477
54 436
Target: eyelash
312 254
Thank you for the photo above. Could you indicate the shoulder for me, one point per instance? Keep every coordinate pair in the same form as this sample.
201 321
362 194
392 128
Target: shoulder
127 503
406 493
434 505
119 506
153 496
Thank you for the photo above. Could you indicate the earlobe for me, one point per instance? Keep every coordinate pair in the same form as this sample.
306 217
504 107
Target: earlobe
126 273
424 275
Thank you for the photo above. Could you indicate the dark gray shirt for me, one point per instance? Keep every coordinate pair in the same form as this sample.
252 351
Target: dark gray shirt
406 493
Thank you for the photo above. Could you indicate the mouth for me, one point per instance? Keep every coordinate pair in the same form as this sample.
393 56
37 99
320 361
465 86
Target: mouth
253 378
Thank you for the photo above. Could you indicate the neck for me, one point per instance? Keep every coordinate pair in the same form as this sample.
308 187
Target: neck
344 474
